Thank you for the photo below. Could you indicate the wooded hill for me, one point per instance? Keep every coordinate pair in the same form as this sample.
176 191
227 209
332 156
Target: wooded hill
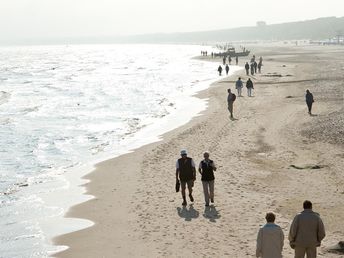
318 29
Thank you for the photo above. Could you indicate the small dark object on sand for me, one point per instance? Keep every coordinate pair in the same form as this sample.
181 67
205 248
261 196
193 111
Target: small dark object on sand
289 97
307 167
338 248
272 75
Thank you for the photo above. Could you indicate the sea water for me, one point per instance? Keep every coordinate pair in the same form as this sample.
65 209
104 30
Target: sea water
62 107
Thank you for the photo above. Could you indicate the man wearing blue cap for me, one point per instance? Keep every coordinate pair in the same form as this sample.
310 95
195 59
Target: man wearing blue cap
186 173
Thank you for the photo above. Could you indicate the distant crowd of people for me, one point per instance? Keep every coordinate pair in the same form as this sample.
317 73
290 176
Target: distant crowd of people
252 69
306 230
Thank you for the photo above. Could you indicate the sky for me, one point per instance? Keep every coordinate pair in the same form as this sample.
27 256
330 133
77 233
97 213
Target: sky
24 19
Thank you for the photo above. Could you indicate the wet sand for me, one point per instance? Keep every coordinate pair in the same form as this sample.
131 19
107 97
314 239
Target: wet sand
271 157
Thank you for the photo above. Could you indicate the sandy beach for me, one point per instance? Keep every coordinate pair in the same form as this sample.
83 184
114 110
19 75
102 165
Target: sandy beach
272 157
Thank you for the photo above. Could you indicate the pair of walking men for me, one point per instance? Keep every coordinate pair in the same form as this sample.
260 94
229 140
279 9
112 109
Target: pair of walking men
186 175
306 233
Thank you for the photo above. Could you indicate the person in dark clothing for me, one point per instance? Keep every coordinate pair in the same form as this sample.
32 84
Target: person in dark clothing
249 86
206 169
236 60
247 68
309 101
229 59
255 66
227 69
260 67
219 70
252 68
186 174
230 101
224 60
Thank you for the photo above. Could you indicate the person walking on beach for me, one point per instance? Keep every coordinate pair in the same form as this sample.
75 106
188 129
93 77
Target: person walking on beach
255 65
206 169
309 101
260 67
270 239
249 86
230 100
219 69
236 60
227 69
252 68
247 68
306 232
224 60
229 59
239 86
186 173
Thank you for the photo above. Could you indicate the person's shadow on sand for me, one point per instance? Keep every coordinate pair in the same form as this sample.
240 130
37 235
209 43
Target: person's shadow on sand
188 213
211 213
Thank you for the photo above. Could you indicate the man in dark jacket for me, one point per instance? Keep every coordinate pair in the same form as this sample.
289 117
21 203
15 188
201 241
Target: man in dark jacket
247 68
306 232
219 69
186 173
309 101
206 169
249 86
230 101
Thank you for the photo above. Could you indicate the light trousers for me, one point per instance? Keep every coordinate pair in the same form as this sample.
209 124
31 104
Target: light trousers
208 190
239 91
249 92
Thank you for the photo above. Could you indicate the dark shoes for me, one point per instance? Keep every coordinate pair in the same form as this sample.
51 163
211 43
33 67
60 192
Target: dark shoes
212 200
191 198
207 205
184 203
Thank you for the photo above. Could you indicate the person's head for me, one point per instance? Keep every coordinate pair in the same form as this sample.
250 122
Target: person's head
307 204
206 155
184 154
270 217
239 78
307 91
229 90
249 79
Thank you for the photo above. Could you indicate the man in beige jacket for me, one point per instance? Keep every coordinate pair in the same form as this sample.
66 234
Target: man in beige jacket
306 232
270 239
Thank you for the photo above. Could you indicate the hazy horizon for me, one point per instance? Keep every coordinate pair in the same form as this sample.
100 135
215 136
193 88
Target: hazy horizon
55 19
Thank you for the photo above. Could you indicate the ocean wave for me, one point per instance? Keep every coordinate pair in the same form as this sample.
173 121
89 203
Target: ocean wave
28 110
4 97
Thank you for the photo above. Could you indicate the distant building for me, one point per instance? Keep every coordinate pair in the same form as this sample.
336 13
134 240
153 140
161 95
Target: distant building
261 23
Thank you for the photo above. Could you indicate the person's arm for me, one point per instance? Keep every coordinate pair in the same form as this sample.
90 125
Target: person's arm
200 168
177 171
193 169
281 239
293 231
259 244
214 166
321 230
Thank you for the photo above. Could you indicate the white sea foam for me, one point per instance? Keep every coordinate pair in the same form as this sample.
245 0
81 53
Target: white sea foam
66 106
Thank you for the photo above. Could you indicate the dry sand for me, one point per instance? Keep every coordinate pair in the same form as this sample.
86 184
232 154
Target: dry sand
138 214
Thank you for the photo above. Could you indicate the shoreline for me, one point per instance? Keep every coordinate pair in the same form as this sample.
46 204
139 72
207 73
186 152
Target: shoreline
152 134
137 210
